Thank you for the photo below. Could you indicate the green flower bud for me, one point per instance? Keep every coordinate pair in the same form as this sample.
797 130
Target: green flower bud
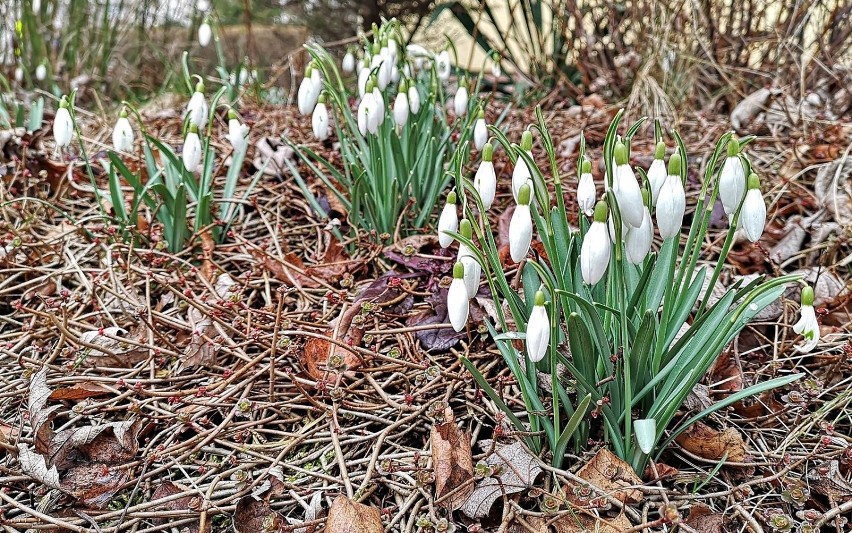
539 298
586 167
808 295
601 212
465 229
458 270
488 152
753 181
524 194
451 198
674 164
660 151
232 114
620 153
733 147
526 140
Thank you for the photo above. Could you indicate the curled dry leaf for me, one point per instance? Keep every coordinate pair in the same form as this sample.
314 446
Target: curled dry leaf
200 350
106 349
582 523
80 391
188 503
347 516
613 476
34 465
515 469
452 462
253 515
704 441
702 518
663 471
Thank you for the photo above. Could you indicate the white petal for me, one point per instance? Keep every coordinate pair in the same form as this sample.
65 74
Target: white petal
485 183
204 34
348 63
538 333
657 175
472 270
520 233
458 305
191 151
448 221
319 122
460 102
732 183
400 109
629 195
414 100
586 194
594 254
480 133
303 97
63 127
520 175
671 205
638 241
753 215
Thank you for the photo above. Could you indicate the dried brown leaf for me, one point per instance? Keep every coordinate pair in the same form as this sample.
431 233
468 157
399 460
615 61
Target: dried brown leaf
253 515
452 462
704 441
35 466
612 475
189 503
702 518
515 470
347 516
80 391
94 484
581 523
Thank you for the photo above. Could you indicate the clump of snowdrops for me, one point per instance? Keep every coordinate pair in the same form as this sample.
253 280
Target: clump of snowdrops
180 186
622 332
386 105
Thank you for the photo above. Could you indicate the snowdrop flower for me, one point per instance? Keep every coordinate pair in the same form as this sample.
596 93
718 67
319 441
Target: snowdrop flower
41 72
368 120
671 204
309 90
485 180
384 76
36 6
458 305
348 62
732 179
19 74
646 434
521 173
192 149
63 126
237 132
319 119
400 106
807 326
460 101
495 65
197 109
379 99
413 98
442 63
472 268
122 133
586 189
657 172
205 32
753 214
594 253
480 130
393 48
520 227
363 76
626 188
637 242
448 221
538 330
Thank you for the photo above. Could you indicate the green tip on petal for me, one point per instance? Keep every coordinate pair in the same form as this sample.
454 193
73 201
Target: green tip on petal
808 295
488 152
403 87
524 194
199 87
63 103
123 113
539 298
660 151
377 47
674 165
733 147
526 140
371 84
321 99
601 212
620 153
753 181
232 114
458 270
480 113
586 167
193 128
465 228
451 198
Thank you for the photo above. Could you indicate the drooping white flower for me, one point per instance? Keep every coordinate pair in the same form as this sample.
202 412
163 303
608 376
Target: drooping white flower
19 74
448 221
414 98
41 72
626 188
307 96
520 226
363 76
443 65
753 214
458 303
191 149
637 242
63 126
400 106
122 133
393 48
36 6
197 108
415 50
460 100
237 132
732 180
657 172
521 173
646 434
671 204
368 119
348 64
586 192
495 65
538 330
379 98
472 268
205 33
319 120
807 326
384 75
485 180
480 130
594 253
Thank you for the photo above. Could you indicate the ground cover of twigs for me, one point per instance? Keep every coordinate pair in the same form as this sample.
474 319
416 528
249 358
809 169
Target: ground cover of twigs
287 381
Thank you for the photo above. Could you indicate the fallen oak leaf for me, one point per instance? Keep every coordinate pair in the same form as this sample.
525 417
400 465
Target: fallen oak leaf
253 515
704 441
452 462
612 475
80 391
347 516
582 523
35 466
515 469
702 518
188 503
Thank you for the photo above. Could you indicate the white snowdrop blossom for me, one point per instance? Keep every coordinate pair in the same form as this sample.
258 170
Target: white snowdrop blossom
637 242
19 74
413 99
671 204
448 221
400 106
458 304
586 192
485 180
63 126
460 100
480 130
442 63
594 253
192 149
520 226
41 72
657 172
521 173
237 132
472 268
732 180
197 108
319 120
122 133
807 326
753 214
348 64
626 188
538 330
205 33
